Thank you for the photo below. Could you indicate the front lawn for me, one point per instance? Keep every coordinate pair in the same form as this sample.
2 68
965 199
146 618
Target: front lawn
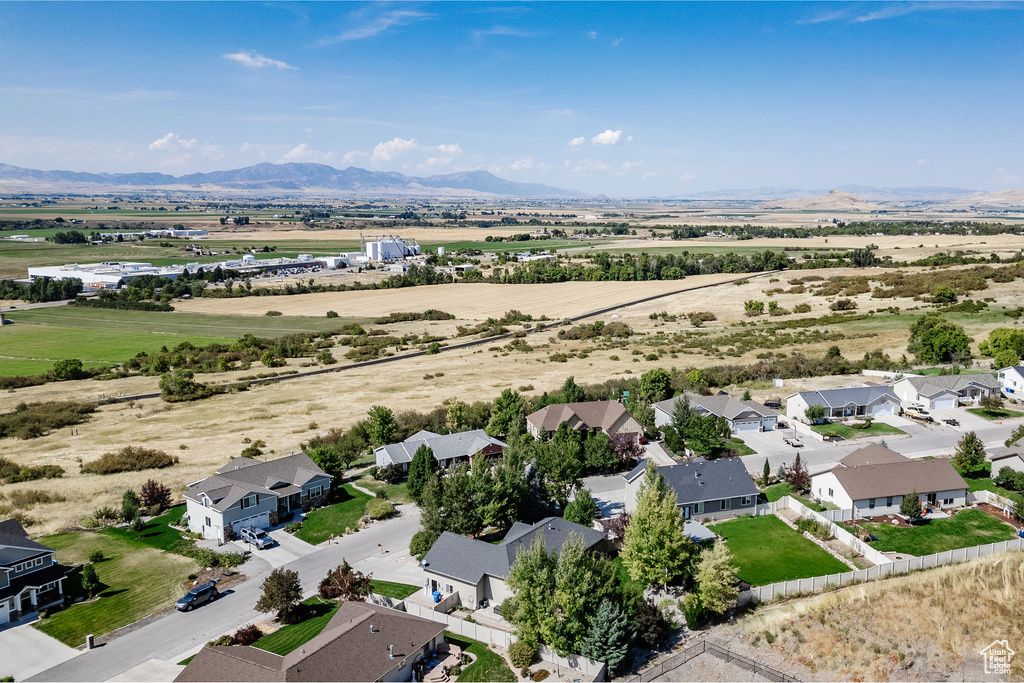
288 638
849 433
396 493
488 665
350 507
997 414
783 488
390 589
966 528
137 581
157 534
765 551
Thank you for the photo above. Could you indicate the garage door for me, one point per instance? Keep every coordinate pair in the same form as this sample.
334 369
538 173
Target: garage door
261 521
769 423
945 402
747 426
883 409
5 614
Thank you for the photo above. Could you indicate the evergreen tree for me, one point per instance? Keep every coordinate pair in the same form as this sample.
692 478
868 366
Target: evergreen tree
571 393
654 549
766 474
716 578
129 505
423 466
910 506
970 454
582 510
609 637
461 512
90 580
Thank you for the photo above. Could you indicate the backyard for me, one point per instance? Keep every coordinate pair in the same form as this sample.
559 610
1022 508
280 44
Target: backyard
765 551
848 433
136 581
784 488
488 665
319 525
390 589
966 528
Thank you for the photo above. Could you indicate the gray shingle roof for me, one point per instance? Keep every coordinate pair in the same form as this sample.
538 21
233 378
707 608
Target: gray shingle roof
721 405
838 398
445 446
15 545
243 476
1015 369
1008 452
468 559
700 479
935 384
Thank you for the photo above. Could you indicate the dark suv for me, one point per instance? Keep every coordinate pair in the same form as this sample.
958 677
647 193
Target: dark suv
197 596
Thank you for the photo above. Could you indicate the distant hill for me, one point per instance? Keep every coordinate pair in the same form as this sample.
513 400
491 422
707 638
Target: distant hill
1007 199
285 178
866 192
836 200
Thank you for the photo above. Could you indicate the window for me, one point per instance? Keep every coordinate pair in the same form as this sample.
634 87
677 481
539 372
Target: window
830 494
727 503
746 500
888 502
871 504
698 508
315 491
249 501
947 501
448 589
208 522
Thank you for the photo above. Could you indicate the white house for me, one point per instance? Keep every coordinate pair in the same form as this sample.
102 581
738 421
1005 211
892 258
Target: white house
873 480
1012 379
248 492
945 391
845 402
1012 457
742 416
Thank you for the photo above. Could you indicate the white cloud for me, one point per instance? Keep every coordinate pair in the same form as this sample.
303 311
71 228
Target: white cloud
649 174
377 25
451 150
171 142
577 142
256 61
628 166
249 147
175 150
687 176
609 137
528 164
629 139
615 43
923 162
591 166
592 35
480 34
305 153
392 149
354 157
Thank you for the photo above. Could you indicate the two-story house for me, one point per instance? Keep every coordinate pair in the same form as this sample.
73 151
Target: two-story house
30 578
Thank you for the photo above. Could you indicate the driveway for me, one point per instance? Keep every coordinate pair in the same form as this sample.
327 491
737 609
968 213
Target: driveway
26 652
608 491
286 549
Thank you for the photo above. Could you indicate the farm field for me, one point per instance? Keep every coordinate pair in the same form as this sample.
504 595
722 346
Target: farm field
962 530
765 551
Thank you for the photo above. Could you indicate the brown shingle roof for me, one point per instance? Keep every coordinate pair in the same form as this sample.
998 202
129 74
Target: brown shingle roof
873 454
593 414
899 478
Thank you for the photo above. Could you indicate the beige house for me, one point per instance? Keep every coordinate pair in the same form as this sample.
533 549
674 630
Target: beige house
1012 457
609 417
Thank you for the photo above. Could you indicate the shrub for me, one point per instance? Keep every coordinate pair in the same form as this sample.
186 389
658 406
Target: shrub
843 305
378 508
247 635
802 308
220 642
13 473
272 314
129 459
32 420
693 611
96 556
392 474
332 314
155 495
105 513
29 497
421 542
204 556
814 528
522 654
541 674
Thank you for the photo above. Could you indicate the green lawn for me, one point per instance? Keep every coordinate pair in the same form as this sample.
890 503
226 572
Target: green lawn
963 371
318 525
287 638
396 493
157 533
845 432
765 551
998 414
489 666
776 491
966 528
986 484
137 581
390 589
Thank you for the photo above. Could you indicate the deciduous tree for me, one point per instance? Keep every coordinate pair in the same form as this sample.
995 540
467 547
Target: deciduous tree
716 579
381 426
969 457
282 592
582 509
654 550
345 583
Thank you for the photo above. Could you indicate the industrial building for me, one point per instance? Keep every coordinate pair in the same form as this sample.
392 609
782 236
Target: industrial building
390 249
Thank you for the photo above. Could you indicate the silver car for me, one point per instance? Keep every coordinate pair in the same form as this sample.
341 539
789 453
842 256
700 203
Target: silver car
258 537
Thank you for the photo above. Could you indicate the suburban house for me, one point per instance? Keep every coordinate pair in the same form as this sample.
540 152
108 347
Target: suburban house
873 480
1012 457
844 403
742 416
449 449
945 391
610 417
30 578
248 492
476 570
1011 379
705 489
361 642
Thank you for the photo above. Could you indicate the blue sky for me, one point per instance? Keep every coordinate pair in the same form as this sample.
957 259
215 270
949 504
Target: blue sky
627 99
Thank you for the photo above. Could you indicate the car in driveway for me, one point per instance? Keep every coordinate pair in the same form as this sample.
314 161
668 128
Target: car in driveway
258 537
197 596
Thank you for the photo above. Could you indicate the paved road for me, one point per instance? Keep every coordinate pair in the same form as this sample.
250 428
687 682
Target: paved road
173 636
29 307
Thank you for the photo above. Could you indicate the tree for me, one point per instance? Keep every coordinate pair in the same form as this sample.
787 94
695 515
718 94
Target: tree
561 461
1003 339
155 493
462 514
333 458
1016 435
933 339
797 476
345 583
944 294
508 412
90 580
531 608
910 506
815 413
456 415
582 509
655 385
698 378
68 368
599 454
716 579
746 395
423 466
703 434
282 592
571 393
627 449
654 550
381 426
609 637
129 505
753 308
766 475
432 523
1005 358
833 352
969 457
652 627
180 385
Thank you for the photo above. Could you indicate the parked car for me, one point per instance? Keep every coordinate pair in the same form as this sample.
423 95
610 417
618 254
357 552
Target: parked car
919 414
197 596
258 537
952 422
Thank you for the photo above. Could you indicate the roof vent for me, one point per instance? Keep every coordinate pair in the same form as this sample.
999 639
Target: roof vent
391 651
371 629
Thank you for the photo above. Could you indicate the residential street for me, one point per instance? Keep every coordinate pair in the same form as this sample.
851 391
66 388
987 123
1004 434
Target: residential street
174 636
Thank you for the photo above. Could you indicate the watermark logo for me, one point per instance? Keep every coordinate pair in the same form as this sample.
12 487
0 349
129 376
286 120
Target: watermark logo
997 657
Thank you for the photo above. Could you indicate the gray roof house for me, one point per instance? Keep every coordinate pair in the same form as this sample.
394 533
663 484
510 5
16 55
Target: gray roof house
1012 457
477 570
1012 379
449 449
946 391
742 416
248 492
845 402
30 578
705 489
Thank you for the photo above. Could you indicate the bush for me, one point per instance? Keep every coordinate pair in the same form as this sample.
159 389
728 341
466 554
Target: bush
13 473
802 308
843 305
541 674
204 556
522 654
247 635
816 529
129 459
392 474
96 556
272 314
378 508
421 543
693 611
32 420
29 497
332 314
105 513
220 642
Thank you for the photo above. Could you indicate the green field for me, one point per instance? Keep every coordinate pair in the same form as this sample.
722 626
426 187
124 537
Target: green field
137 581
965 529
765 551
320 524
488 665
287 638
851 433
500 247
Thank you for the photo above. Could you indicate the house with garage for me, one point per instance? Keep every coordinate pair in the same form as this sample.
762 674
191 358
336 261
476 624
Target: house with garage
705 489
1011 456
248 492
610 417
30 578
475 571
872 481
361 642
848 402
742 416
1011 379
945 391
449 449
